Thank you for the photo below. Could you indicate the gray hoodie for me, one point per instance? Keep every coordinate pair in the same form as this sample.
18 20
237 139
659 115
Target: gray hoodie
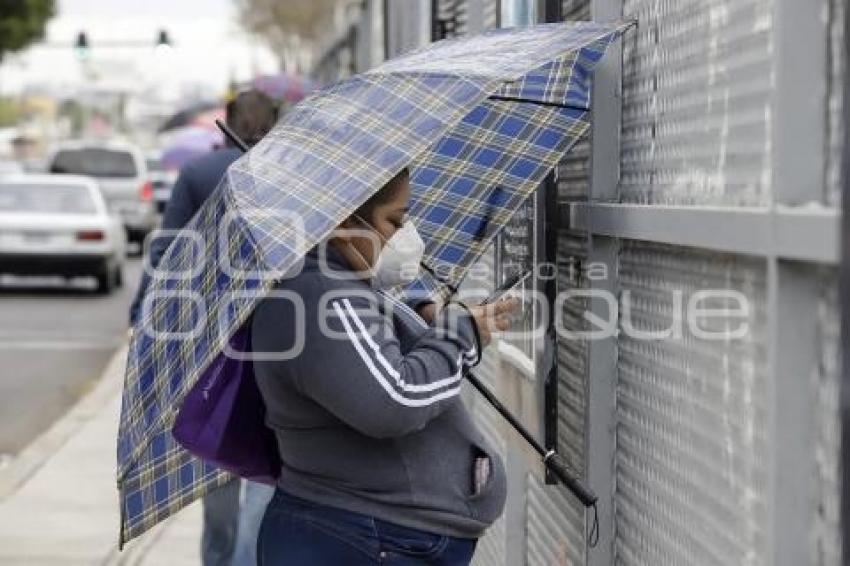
368 416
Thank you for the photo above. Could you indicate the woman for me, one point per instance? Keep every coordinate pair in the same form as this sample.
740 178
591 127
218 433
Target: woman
381 461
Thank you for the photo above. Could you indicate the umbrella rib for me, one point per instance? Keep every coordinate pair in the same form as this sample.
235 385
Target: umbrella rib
538 102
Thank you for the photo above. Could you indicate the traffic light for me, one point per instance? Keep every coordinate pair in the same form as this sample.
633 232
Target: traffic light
162 39
81 46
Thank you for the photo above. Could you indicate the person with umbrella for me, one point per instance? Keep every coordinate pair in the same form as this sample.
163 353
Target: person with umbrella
380 457
478 123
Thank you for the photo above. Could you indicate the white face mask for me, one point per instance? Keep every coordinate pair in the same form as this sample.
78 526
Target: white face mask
398 262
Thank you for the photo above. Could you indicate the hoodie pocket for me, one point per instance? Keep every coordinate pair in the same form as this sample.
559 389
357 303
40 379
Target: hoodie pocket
488 503
483 471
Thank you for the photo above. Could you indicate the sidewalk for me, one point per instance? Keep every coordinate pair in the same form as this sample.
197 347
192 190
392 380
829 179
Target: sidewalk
59 503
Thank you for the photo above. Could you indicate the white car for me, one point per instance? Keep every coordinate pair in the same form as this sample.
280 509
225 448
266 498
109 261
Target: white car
121 174
162 180
59 224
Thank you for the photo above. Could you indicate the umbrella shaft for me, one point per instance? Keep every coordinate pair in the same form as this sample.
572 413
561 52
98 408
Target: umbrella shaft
550 459
231 135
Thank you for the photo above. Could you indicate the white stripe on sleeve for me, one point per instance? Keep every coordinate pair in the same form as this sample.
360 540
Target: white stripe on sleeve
352 335
376 350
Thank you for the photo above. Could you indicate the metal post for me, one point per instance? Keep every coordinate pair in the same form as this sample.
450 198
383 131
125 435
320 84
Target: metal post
602 250
798 157
844 284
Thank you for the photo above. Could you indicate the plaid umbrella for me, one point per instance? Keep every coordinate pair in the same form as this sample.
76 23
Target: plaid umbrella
480 121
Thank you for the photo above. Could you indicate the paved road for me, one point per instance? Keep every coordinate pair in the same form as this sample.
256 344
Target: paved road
55 340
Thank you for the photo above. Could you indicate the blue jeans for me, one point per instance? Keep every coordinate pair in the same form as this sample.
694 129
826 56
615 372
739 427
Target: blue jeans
296 532
255 497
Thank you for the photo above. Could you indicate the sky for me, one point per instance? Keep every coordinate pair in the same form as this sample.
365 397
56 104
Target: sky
209 48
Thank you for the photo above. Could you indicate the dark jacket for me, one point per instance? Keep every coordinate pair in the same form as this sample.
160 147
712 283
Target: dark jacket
368 415
196 182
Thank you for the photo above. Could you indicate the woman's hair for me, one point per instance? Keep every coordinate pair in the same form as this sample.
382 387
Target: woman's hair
384 195
252 114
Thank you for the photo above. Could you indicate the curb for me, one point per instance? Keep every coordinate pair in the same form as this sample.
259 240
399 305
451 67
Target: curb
35 455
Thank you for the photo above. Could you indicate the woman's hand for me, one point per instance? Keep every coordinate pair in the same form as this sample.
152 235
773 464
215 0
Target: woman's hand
493 317
428 312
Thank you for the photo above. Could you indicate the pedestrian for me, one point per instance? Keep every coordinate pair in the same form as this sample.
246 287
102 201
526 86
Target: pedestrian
381 461
229 528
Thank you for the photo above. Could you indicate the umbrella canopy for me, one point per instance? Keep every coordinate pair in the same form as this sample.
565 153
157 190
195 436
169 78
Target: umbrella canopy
480 121
187 143
283 86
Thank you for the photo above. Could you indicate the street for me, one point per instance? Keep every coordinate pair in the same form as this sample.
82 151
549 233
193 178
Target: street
55 340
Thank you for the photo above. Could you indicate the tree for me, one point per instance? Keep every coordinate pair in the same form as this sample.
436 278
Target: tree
23 22
287 24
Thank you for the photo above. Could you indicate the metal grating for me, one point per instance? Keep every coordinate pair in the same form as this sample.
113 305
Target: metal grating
491 14
572 354
826 527
552 517
572 376
574 170
572 10
461 17
574 173
835 120
693 446
697 83
452 18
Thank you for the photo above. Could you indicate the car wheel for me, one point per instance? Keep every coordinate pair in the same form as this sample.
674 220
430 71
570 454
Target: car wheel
118 276
105 280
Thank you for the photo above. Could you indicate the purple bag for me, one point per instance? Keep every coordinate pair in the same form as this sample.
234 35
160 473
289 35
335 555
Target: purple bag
221 419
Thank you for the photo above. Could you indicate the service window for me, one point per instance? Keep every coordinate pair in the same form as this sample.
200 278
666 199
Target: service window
516 257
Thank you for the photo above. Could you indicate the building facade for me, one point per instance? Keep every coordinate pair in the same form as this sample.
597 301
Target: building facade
714 164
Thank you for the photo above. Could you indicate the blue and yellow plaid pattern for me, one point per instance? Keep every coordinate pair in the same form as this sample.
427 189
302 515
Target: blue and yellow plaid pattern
480 121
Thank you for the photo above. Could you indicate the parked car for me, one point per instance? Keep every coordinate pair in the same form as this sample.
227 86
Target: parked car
60 224
121 173
163 181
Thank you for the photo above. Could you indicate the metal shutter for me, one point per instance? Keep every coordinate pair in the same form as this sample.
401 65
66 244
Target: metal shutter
572 10
452 18
572 354
490 14
693 442
572 385
697 83
553 519
835 124
826 527
573 171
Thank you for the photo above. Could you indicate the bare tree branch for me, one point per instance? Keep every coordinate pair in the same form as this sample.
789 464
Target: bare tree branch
278 22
